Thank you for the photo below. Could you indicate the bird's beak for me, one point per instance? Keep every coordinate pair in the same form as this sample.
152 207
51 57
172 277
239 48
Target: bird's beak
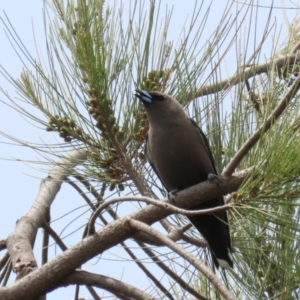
144 96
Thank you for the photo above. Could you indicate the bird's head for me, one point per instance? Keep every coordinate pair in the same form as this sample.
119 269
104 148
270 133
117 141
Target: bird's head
159 106
150 98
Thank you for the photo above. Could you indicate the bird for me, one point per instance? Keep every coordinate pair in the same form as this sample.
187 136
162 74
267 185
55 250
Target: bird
179 153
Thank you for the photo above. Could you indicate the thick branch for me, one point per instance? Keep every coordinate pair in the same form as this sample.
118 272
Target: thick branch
170 208
48 276
246 74
138 236
19 242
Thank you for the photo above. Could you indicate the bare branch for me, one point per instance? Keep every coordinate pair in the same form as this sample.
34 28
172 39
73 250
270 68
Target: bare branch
63 247
92 292
165 223
199 265
245 74
49 275
171 273
145 270
3 260
168 207
55 237
252 140
46 240
138 237
6 272
88 186
24 234
108 283
2 245
196 242
174 234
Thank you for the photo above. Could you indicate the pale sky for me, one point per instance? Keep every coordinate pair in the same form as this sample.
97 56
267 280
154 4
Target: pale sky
19 181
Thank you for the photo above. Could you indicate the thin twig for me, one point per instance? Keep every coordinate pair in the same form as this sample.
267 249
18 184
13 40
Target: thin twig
195 242
77 288
253 139
91 230
126 248
6 272
3 260
45 240
108 283
2 245
150 275
92 292
199 265
165 205
91 189
172 274
88 186
63 247
55 236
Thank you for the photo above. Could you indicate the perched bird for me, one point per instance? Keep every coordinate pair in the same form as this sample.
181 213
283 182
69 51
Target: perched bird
179 153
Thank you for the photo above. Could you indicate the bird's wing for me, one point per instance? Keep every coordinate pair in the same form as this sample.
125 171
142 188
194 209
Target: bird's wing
150 160
206 144
202 221
219 201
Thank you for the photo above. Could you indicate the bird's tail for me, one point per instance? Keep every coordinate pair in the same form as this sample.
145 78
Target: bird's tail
214 228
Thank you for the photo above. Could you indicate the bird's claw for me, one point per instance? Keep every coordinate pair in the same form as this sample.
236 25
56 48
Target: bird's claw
172 195
213 178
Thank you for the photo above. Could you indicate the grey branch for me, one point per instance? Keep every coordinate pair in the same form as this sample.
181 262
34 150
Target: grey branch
49 275
198 264
165 205
245 74
108 283
23 236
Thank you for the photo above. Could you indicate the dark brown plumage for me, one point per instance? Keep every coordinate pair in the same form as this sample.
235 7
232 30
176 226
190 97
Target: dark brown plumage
180 155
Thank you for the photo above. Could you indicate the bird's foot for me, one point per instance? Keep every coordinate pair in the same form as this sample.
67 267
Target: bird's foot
172 195
213 178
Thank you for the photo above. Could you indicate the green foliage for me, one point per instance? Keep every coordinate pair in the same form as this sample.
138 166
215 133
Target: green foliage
98 54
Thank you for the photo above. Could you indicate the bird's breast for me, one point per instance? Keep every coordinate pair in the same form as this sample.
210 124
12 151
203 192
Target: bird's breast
179 157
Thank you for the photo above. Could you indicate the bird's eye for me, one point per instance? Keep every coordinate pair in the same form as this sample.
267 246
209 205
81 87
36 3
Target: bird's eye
160 98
